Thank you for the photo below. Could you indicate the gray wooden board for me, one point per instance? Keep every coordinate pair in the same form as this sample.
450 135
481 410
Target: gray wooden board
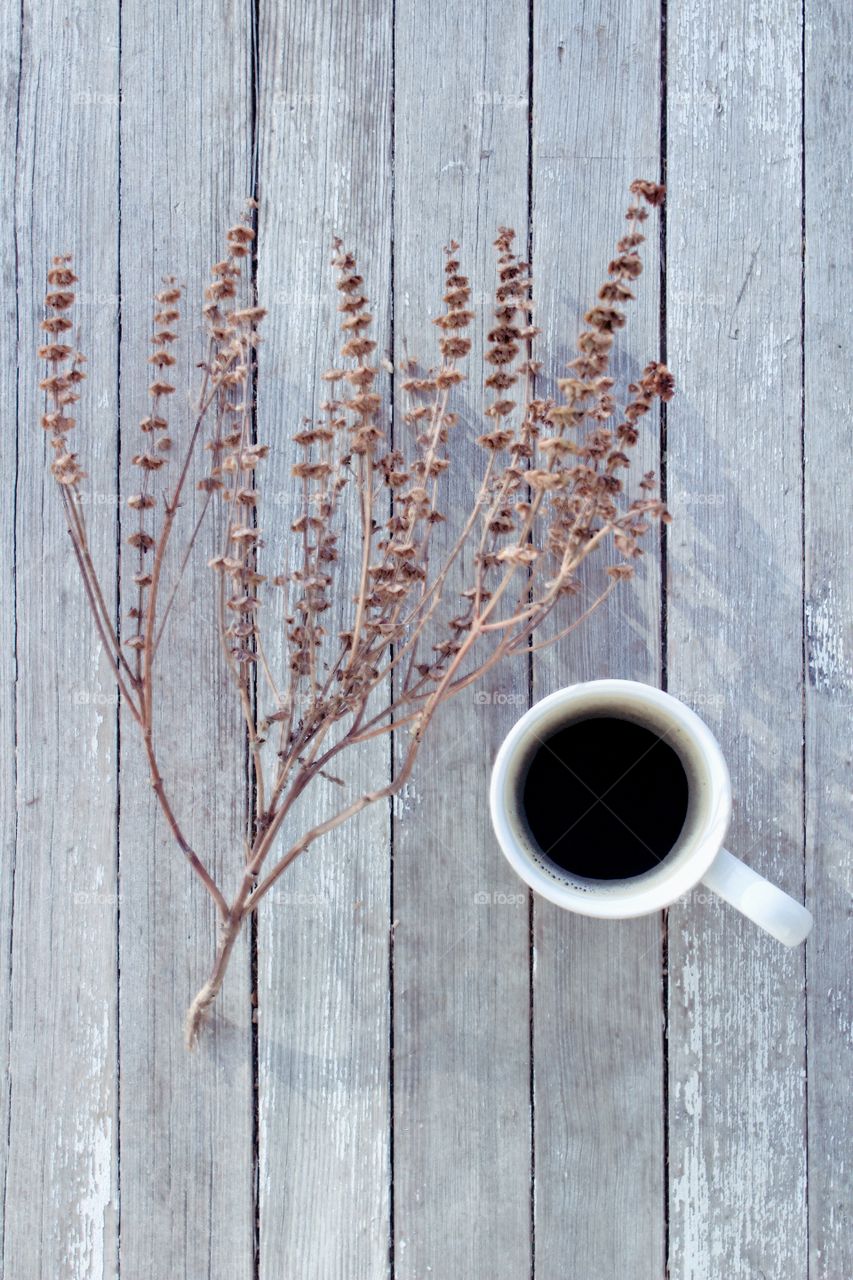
186 171
323 1001
61 1203
737 1155
10 49
461 947
597 991
829 669
127 141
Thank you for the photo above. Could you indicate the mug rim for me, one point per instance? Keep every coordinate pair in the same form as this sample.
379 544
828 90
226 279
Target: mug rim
621 898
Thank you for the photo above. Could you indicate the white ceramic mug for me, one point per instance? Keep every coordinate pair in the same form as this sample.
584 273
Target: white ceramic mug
698 854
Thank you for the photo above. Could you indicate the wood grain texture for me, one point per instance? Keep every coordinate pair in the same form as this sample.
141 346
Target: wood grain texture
61 1190
127 139
10 61
736 1018
323 933
829 656
186 1119
461 946
597 992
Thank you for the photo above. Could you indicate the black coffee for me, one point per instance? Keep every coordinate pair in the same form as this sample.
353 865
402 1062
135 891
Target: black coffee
605 798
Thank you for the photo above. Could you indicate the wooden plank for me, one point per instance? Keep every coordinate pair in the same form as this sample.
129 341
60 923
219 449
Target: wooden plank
829 606
61 1206
10 44
736 1017
597 999
186 1119
323 1019
461 948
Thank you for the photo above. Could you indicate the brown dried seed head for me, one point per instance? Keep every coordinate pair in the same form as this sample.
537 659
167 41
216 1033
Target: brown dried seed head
495 441
357 322
500 408
627 264
243 533
217 292
502 353
56 324
57 423
148 461
343 261
141 540
358 347
55 384
362 376
615 291
354 303
248 315
652 192
350 283
366 403
310 470
559 446
54 352
61 275
544 480
501 380
605 318
518 555
455 347
240 235
454 320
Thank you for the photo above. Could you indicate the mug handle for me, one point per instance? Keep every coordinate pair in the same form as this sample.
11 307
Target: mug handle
770 907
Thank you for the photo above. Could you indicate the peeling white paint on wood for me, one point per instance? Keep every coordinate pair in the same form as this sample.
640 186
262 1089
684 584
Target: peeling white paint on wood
830 670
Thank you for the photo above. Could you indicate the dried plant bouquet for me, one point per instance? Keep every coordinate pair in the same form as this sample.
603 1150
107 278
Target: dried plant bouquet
551 492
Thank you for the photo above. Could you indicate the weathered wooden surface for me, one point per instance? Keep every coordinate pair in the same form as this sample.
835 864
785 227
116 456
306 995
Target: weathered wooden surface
186 142
597 1033
61 1201
462 1144
736 1025
10 38
324 1161
424 1093
829 658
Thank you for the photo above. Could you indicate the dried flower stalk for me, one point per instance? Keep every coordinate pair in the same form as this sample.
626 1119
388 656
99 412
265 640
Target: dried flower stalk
551 493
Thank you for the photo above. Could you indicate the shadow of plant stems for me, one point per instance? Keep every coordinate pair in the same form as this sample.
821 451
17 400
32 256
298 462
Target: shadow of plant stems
550 494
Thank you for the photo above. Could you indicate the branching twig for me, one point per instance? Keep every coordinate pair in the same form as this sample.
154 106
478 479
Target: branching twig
549 496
